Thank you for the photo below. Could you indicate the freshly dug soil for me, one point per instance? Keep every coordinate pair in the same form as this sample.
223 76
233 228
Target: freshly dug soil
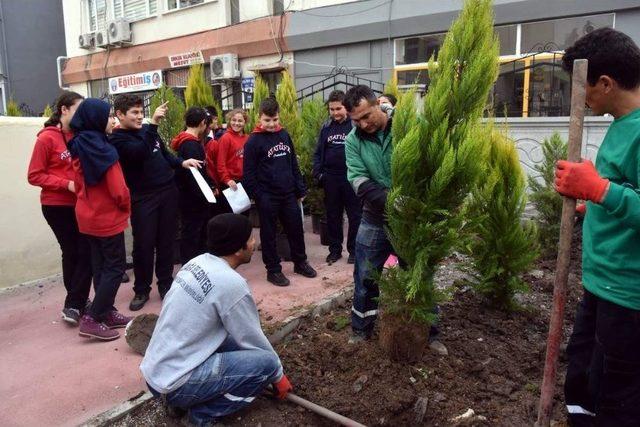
494 366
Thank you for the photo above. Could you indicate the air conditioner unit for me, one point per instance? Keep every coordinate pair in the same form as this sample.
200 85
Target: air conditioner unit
224 66
119 31
86 41
102 38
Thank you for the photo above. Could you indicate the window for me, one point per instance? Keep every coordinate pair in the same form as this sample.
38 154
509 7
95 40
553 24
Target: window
235 11
507 93
508 36
181 4
97 14
278 7
134 10
560 33
418 49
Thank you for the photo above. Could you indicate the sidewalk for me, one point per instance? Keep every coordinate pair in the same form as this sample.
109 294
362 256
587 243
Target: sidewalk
51 376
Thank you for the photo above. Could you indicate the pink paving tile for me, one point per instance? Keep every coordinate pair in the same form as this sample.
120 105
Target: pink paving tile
51 376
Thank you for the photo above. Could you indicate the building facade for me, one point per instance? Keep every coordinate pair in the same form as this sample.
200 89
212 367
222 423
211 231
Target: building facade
31 37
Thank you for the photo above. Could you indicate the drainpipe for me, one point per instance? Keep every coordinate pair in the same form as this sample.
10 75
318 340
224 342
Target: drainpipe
4 76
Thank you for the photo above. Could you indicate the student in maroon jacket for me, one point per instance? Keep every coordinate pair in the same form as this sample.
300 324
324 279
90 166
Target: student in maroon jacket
194 207
272 178
231 149
102 211
50 168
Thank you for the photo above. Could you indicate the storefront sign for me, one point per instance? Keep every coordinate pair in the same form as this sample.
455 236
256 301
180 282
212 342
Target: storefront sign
186 59
247 89
150 80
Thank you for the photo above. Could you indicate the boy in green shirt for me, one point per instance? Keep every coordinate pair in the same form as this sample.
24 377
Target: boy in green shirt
602 386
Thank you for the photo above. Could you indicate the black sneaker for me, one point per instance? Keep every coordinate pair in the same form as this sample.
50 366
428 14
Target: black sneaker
331 258
71 315
351 259
303 268
138 302
125 278
278 279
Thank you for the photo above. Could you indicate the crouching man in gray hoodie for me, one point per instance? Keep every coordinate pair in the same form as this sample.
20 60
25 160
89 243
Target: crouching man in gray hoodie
208 354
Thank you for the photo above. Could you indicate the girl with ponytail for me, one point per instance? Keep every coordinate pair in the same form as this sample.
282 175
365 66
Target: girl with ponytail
51 169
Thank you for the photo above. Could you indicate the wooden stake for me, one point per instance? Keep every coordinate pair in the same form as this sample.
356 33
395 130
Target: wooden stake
578 96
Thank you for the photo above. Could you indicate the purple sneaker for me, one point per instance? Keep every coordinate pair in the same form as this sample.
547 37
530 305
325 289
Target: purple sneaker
91 328
114 320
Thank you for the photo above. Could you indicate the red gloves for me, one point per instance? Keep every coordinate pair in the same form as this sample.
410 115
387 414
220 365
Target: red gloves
580 181
282 387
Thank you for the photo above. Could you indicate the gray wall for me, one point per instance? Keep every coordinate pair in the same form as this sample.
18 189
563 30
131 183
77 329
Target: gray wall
360 35
34 37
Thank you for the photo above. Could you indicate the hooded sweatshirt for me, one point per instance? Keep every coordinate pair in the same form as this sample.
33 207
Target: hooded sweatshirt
103 206
271 166
231 155
189 147
148 165
211 149
50 167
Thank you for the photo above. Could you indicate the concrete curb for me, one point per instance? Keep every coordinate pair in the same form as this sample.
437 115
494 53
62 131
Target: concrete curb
289 325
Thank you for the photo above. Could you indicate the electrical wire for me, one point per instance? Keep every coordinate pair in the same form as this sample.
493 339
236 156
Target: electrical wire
346 14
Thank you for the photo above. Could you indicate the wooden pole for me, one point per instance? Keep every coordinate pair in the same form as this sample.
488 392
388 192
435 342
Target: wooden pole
578 96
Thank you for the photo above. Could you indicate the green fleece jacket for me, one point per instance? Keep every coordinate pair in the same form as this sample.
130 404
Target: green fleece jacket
611 232
369 170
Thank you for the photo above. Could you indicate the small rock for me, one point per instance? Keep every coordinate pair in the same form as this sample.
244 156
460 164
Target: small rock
269 318
420 409
468 418
117 387
413 380
439 397
439 348
359 383
480 339
538 274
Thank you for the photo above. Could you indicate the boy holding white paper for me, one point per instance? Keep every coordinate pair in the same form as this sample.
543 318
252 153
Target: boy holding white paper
149 171
193 204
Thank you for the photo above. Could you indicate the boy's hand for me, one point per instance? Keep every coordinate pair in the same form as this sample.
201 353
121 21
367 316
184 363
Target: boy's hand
159 114
301 199
71 186
580 181
581 208
192 163
232 185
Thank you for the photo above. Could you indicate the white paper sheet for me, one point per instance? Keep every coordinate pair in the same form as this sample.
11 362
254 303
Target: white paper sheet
204 187
238 200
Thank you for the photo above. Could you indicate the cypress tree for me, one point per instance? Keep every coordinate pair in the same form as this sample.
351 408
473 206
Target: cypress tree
289 113
173 122
198 92
47 111
314 114
436 161
502 246
545 198
392 87
12 109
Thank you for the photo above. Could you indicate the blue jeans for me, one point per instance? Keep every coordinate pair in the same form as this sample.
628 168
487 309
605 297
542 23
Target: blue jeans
224 383
372 250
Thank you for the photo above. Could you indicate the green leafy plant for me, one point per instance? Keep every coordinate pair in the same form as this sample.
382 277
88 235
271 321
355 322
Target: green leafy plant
543 196
260 92
436 161
173 122
12 109
198 92
289 112
313 115
392 87
502 246
48 111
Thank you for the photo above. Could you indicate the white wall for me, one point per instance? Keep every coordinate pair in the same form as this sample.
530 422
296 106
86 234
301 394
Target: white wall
165 25
29 249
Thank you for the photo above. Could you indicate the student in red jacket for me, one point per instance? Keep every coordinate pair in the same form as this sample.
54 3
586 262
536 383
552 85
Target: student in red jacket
231 149
50 168
102 210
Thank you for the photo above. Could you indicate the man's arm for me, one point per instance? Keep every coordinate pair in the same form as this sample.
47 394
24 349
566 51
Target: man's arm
242 322
365 188
250 169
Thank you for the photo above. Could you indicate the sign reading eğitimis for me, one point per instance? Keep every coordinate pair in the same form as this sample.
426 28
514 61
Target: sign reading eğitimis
149 80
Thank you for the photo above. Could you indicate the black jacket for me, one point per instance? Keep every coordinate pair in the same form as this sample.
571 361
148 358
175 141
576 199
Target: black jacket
270 166
191 197
146 162
337 132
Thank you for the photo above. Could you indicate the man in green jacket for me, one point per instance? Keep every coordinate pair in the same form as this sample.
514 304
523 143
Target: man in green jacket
368 153
602 386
